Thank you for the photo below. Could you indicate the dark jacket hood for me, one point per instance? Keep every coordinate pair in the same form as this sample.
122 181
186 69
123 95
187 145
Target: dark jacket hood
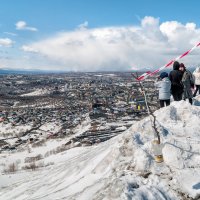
176 65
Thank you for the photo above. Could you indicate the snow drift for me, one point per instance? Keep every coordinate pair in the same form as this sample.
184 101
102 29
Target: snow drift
123 167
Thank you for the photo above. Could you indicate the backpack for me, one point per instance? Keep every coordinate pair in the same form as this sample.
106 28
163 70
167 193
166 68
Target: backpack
188 76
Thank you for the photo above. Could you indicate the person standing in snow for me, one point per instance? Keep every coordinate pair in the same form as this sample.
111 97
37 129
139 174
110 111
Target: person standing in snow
164 87
188 83
196 75
175 76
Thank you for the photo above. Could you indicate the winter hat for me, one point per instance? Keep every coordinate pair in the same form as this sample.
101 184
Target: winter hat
182 65
176 65
163 75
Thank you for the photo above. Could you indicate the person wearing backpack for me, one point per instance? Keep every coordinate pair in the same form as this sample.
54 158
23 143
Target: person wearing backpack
188 83
175 76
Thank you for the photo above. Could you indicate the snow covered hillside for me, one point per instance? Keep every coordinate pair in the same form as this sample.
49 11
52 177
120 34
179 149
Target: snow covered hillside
121 168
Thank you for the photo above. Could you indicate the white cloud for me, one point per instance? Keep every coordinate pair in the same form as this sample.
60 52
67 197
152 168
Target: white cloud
180 36
149 21
120 48
21 25
29 49
191 26
6 42
10 33
83 26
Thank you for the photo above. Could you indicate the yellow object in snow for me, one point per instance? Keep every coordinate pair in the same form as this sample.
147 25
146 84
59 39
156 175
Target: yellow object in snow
159 158
157 150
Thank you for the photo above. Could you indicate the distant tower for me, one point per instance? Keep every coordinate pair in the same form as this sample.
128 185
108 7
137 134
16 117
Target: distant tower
66 87
70 86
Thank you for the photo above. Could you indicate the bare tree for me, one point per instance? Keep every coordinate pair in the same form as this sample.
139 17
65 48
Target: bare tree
150 112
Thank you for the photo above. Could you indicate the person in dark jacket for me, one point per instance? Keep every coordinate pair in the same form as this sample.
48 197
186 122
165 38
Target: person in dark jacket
188 83
175 76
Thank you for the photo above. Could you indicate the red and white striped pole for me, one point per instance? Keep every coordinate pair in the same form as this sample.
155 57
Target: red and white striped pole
149 73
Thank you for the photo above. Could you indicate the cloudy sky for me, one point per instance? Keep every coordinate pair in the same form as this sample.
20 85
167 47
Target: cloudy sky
96 35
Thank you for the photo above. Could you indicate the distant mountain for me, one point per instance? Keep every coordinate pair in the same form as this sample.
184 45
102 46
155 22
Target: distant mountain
38 71
27 71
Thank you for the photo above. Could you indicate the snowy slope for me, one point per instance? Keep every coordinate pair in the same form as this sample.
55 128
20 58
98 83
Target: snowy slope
123 167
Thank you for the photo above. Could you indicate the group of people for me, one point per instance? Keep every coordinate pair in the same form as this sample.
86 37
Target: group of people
179 83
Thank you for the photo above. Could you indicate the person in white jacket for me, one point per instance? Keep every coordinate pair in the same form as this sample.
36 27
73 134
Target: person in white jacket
196 75
164 87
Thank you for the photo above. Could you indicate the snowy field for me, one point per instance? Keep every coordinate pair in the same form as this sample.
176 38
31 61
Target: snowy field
37 92
121 168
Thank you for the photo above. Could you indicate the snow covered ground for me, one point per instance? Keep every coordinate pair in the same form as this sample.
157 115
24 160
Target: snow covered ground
121 168
37 92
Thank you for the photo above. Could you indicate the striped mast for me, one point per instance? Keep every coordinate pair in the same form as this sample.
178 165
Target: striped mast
149 73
